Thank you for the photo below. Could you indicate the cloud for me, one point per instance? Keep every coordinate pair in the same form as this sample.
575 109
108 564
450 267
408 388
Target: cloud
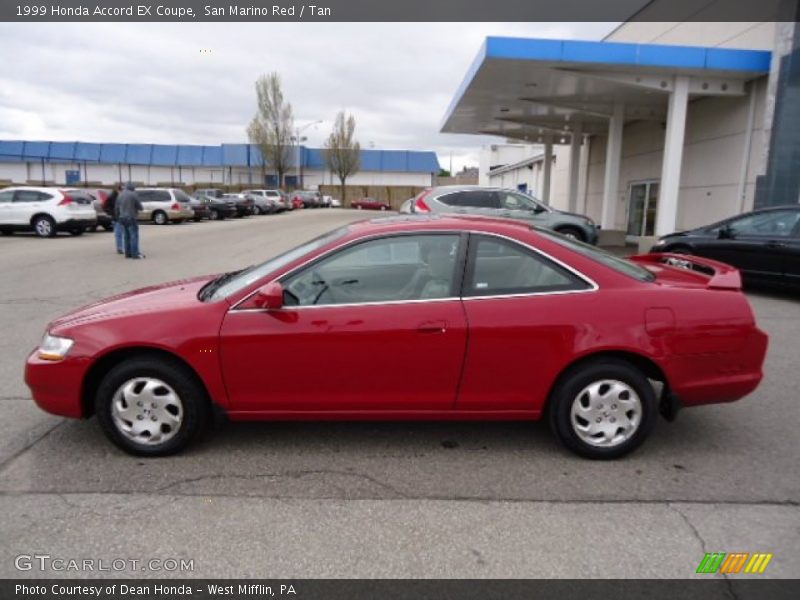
194 82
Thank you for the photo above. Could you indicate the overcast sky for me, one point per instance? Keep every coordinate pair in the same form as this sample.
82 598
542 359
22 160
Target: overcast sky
150 83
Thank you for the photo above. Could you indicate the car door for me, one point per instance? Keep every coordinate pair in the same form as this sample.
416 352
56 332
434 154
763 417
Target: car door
758 243
791 265
519 206
26 204
524 312
375 326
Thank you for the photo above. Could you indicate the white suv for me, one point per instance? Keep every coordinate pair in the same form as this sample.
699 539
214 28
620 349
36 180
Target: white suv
266 200
45 210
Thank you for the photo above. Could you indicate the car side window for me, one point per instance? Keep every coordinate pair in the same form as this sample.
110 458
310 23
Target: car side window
510 201
500 267
407 267
770 224
30 196
6 196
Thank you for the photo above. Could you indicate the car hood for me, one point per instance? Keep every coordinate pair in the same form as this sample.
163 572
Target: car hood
143 300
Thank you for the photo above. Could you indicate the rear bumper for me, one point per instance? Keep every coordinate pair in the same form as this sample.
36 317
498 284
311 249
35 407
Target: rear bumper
56 386
718 377
76 224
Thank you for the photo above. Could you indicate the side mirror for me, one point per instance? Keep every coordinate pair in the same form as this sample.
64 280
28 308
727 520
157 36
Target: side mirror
270 297
725 232
538 209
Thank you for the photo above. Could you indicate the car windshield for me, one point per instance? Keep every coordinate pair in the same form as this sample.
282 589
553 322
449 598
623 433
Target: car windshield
620 265
242 279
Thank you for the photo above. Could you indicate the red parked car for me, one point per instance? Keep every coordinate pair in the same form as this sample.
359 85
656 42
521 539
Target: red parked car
495 319
370 204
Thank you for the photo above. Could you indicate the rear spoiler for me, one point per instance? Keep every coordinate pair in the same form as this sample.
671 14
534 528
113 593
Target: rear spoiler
721 276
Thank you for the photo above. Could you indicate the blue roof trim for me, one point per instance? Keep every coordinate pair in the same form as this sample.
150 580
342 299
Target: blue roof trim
470 75
619 53
226 155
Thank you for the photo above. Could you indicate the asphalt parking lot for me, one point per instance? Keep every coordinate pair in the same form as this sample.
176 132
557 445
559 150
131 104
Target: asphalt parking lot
375 500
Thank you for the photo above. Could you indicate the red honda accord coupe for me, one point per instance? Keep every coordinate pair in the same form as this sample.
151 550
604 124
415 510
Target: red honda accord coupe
472 318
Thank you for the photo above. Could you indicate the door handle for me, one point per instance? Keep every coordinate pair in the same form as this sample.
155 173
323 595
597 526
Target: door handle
432 327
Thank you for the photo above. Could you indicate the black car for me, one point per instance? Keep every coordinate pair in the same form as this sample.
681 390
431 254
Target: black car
218 208
201 209
245 205
763 244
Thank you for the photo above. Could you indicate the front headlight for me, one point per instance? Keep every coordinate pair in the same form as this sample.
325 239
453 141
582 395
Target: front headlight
54 347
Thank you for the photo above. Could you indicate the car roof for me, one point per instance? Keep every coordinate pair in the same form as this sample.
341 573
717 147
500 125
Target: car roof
410 223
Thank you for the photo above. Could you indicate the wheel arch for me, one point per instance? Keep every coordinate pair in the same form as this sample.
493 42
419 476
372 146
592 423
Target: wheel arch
105 363
35 216
645 364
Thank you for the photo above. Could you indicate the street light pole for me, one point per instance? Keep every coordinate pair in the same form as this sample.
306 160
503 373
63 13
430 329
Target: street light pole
297 140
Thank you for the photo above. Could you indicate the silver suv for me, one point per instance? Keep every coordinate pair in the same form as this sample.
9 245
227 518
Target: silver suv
503 203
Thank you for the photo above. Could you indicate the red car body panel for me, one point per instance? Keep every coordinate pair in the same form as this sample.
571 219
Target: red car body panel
370 204
470 358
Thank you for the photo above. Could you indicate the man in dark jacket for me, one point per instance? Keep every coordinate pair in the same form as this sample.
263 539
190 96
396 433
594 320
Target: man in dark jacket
127 210
110 208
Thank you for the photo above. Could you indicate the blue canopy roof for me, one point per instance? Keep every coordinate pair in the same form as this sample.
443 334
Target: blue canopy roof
224 155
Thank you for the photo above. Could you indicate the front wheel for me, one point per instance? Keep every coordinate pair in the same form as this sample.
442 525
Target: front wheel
572 233
151 407
603 409
160 217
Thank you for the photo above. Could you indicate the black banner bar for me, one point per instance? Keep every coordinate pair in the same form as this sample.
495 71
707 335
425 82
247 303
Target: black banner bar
401 589
397 10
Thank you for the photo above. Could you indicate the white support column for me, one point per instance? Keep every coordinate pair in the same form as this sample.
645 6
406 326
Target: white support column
574 165
613 160
548 161
667 213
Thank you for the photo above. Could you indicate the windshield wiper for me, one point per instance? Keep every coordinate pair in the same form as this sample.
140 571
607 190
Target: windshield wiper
212 286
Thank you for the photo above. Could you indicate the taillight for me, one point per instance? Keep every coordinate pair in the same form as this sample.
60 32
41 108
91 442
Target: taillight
66 201
420 206
176 206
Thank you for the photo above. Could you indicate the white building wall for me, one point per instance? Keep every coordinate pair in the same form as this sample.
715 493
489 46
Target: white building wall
748 35
712 160
493 155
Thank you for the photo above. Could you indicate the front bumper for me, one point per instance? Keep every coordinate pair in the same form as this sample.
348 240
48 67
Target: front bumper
56 386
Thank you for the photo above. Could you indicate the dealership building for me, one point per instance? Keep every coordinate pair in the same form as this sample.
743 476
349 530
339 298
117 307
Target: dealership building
657 128
79 163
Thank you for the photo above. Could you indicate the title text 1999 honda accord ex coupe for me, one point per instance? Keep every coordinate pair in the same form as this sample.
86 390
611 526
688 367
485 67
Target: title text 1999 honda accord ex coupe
472 318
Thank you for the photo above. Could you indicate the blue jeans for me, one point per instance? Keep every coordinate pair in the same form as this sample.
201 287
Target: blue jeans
119 236
130 235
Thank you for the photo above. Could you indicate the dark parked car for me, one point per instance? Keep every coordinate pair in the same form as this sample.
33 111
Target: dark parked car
310 199
218 208
370 204
200 208
764 244
245 205
503 203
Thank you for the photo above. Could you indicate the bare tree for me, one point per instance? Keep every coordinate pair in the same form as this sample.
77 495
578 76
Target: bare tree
342 152
271 127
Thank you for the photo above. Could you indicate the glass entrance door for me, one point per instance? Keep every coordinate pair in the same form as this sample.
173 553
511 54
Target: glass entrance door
642 208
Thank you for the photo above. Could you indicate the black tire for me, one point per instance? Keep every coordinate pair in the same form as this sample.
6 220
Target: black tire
193 397
198 219
569 390
160 218
7 232
44 226
214 215
76 232
572 232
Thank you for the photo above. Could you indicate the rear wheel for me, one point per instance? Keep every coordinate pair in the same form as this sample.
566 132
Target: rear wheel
44 226
151 407
160 217
572 233
603 408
